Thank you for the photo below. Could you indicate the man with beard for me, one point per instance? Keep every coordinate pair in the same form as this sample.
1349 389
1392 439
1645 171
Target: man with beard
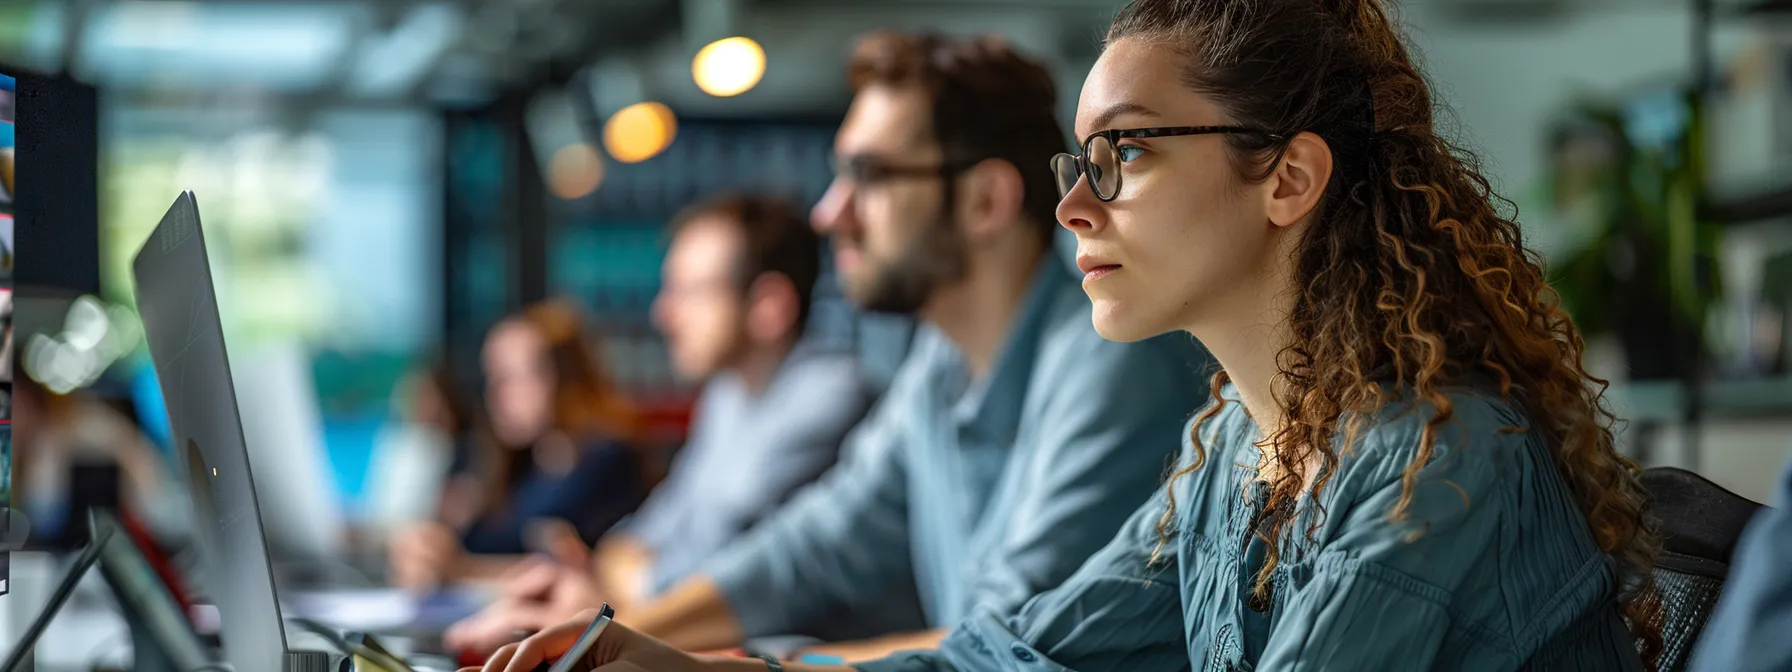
1014 440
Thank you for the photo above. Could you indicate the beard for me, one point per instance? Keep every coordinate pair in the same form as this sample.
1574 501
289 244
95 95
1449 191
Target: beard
902 283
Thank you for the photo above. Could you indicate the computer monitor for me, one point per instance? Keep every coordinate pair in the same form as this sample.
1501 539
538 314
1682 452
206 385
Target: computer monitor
179 309
8 172
9 87
55 194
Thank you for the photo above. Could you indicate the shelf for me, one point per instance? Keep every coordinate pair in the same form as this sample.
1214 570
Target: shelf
1752 207
1665 401
1767 8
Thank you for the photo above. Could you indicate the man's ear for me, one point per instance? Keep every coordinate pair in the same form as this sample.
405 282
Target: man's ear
989 197
1298 184
772 308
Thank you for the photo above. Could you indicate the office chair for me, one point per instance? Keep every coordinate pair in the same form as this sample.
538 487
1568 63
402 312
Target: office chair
1699 523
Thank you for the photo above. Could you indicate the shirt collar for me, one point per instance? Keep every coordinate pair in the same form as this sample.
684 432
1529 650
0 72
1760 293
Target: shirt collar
990 408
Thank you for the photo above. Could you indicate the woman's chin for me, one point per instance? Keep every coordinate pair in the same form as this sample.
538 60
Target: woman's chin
1115 323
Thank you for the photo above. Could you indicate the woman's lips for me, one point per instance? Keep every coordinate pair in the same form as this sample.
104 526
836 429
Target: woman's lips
1099 272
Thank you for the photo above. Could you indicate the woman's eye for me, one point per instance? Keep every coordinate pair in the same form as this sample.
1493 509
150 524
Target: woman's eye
1130 152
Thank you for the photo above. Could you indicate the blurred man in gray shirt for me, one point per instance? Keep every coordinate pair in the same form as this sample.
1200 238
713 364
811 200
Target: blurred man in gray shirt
733 301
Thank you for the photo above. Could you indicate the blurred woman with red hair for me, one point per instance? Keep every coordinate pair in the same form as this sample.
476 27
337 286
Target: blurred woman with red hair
558 445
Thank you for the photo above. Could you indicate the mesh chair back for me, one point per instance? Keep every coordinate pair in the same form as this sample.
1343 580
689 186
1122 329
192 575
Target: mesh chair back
1699 523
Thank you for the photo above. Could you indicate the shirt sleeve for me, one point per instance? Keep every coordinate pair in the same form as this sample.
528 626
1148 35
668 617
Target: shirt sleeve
1748 630
656 524
1105 436
841 542
810 432
1119 611
1381 590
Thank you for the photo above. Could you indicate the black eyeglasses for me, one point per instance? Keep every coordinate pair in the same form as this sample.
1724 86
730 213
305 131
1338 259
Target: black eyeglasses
871 170
1100 158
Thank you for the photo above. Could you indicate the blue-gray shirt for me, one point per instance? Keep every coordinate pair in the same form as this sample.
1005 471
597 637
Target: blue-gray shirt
965 492
1752 627
747 453
1493 568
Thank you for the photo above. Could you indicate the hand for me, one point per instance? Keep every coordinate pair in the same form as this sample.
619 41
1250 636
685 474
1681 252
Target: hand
559 540
558 546
423 556
569 592
531 580
574 590
882 647
618 650
562 590
496 625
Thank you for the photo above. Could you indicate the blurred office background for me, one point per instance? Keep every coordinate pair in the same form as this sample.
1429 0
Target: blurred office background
382 180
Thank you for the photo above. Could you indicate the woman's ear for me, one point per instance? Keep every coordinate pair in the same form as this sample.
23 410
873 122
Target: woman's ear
1298 183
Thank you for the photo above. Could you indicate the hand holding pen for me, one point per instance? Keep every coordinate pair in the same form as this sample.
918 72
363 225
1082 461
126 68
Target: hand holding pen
592 643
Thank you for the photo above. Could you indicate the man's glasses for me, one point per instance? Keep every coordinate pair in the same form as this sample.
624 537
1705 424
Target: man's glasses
1100 159
868 170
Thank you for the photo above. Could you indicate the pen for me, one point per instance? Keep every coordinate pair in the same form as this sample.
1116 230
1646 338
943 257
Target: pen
582 647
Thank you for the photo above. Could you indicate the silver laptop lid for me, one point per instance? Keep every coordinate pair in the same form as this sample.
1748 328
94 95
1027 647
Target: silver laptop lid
179 309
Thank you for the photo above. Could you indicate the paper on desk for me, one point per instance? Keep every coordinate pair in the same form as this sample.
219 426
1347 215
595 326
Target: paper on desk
383 609
365 610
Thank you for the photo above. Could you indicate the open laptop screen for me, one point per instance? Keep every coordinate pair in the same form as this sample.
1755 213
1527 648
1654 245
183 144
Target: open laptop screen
179 308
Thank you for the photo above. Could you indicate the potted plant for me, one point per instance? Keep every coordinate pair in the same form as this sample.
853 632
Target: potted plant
1629 177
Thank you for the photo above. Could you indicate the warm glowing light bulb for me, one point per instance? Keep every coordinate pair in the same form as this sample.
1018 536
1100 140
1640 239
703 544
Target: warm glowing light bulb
575 171
638 132
728 67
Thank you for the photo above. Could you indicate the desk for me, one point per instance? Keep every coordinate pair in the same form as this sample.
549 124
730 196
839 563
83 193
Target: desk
90 630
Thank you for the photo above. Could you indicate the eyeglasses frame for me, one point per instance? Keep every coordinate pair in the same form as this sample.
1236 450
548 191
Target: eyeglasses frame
1114 135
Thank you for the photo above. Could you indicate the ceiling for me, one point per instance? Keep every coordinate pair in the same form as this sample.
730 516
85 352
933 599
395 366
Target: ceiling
467 52
443 51
455 52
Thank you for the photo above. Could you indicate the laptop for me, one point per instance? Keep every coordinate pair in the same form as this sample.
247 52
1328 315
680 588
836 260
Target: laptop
178 305
179 309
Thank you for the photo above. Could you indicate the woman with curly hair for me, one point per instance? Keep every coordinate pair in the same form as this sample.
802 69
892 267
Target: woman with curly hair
1405 466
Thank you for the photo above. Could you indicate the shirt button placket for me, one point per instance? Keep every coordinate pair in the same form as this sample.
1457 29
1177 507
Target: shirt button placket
1022 654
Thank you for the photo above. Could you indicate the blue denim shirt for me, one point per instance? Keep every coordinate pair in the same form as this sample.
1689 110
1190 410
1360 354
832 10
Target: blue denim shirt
964 492
1493 568
1752 627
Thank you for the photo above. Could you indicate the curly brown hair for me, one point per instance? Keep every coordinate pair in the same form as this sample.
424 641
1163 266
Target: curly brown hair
1415 272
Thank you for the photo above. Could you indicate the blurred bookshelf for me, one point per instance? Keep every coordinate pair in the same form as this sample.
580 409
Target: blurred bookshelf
606 248
1764 204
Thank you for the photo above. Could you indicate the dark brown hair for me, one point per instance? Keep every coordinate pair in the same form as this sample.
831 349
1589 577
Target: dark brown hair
587 406
988 103
1415 272
777 240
